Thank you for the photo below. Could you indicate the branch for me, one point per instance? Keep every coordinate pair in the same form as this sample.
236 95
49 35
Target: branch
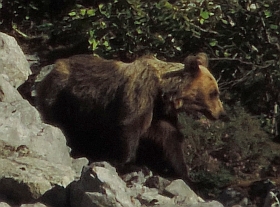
268 37
25 36
246 75
268 63
203 30
19 32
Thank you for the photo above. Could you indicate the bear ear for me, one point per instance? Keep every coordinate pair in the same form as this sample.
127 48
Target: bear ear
192 63
202 59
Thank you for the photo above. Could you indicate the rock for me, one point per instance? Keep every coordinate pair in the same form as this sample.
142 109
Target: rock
100 186
152 196
21 125
78 164
7 91
206 204
44 72
182 193
24 179
157 182
34 157
203 204
13 62
55 197
134 177
3 204
33 205
232 196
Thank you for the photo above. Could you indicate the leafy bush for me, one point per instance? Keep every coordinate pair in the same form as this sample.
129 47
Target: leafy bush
218 153
14 12
240 36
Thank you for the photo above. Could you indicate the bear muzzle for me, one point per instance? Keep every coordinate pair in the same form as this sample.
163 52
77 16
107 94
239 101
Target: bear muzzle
222 115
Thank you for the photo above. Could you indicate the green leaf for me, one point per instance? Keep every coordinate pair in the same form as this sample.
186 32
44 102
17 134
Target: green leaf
83 12
204 14
90 12
104 10
33 7
201 21
213 43
103 25
273 26
106 43
168 5
226 54
93 43
224 21
91 33
139 31
100 6
72 14
267 13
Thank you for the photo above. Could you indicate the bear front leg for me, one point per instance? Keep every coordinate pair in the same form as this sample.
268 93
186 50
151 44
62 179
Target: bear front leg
170 139
173 150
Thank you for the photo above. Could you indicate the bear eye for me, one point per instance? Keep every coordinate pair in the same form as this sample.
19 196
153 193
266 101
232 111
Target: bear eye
214 94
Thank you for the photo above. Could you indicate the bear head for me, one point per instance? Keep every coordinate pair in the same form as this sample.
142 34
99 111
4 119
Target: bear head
198 89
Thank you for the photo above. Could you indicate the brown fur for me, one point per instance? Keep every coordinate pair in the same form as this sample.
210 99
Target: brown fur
107 107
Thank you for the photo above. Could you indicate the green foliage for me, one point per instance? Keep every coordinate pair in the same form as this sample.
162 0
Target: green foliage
211 183
241 37
21 11
226 151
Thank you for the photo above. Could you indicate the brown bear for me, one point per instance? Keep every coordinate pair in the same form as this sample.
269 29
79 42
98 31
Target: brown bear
106 107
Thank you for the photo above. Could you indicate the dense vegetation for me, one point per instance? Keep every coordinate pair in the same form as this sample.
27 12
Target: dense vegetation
242 37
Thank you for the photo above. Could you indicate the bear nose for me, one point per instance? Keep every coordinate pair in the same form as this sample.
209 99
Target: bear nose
224 117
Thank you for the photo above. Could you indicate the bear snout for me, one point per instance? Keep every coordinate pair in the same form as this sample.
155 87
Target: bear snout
221 115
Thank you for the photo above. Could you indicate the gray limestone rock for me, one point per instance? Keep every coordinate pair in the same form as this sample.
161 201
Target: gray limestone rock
24 179
7 91
13 62
21 125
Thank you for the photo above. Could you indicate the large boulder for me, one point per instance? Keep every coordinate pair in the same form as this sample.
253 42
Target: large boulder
21 125
100 185
13 62
24 178
34 157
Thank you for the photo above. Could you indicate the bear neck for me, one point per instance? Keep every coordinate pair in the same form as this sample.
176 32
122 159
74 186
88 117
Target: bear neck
170 89
164 111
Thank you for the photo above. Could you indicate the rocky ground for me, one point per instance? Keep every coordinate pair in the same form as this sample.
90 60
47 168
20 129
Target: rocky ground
36 169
